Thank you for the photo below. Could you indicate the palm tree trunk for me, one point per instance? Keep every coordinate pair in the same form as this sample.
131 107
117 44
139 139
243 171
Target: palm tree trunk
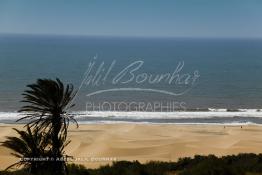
56 153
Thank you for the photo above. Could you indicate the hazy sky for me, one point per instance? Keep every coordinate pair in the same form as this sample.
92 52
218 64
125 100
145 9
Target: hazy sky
178 18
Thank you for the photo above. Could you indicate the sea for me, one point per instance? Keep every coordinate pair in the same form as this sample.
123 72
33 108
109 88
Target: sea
138 80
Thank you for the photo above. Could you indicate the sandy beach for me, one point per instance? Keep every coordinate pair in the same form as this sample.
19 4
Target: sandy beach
99 144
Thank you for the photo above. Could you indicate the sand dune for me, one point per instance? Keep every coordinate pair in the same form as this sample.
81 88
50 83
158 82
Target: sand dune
94 145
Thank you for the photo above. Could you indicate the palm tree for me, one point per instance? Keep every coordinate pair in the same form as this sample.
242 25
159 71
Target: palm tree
27 147
47 104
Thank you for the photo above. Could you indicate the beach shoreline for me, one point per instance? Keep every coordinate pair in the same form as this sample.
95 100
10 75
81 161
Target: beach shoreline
94 145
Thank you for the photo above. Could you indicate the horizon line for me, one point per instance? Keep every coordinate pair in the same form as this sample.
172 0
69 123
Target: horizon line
130 36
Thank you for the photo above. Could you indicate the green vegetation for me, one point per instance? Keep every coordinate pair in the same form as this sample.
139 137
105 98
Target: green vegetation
242 164
28 144
47 102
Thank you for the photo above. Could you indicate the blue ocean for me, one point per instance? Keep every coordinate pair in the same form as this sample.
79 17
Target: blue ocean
152 80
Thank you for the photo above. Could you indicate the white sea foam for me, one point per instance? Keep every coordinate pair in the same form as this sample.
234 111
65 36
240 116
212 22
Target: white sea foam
10 115
172 115
116 116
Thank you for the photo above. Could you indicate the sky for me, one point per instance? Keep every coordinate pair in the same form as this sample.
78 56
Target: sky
139 18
